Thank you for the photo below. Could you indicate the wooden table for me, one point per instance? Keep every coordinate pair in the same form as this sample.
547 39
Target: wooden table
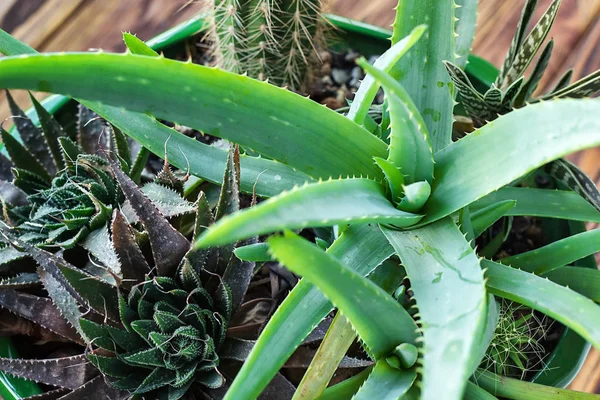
60 25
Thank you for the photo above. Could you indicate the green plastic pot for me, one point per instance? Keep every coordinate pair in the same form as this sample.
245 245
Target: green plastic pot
567 358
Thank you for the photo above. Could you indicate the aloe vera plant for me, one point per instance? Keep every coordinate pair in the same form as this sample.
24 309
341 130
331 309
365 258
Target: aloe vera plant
417 197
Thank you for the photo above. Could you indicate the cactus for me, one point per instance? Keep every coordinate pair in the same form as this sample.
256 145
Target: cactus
273 40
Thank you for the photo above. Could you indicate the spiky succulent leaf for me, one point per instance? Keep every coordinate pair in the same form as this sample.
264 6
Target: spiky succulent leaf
321 204
364 96
352 146
360 247
168 245
545 203
569 175
66 372
386 382
409 148
421 71
557 254
543 295
438 260
546 132
350 292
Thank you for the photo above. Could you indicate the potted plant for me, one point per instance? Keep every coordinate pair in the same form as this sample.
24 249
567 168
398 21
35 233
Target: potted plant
420 197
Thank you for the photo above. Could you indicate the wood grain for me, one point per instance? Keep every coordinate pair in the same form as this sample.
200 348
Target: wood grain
60 25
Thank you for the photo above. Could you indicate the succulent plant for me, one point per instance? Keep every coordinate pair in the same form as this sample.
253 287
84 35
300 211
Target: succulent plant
157 329
511 90
421 198
267 39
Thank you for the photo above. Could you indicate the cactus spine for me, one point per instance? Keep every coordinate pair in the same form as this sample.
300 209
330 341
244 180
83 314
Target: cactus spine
267 39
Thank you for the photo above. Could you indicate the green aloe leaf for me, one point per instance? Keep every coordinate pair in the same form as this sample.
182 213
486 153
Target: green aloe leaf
545 131
266 177
137 46
272 121
440 263
360 247
484 218
516 389
11 46
409 148
544 203
257 252
421 71
564 305
379 320
386 383
345 390
320 204
585 281
364 96
466 14
474 392
557 254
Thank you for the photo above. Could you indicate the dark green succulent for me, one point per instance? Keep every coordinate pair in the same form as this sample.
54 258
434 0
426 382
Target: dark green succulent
159 328
511 90
173 332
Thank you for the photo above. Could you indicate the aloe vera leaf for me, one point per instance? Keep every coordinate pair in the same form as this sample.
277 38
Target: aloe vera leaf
531 44
546 131
409 148
379 320
564 305
474 392
487 332
386 383
557 254
415 195
485 217
440 263
575 179
364 96
517 41
266 177
137 46
516 389
270 120
466 14
421 71
585 281
360 247
345 390
332 349
340 336
543 203
11 46
320 204
393 176
257 252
